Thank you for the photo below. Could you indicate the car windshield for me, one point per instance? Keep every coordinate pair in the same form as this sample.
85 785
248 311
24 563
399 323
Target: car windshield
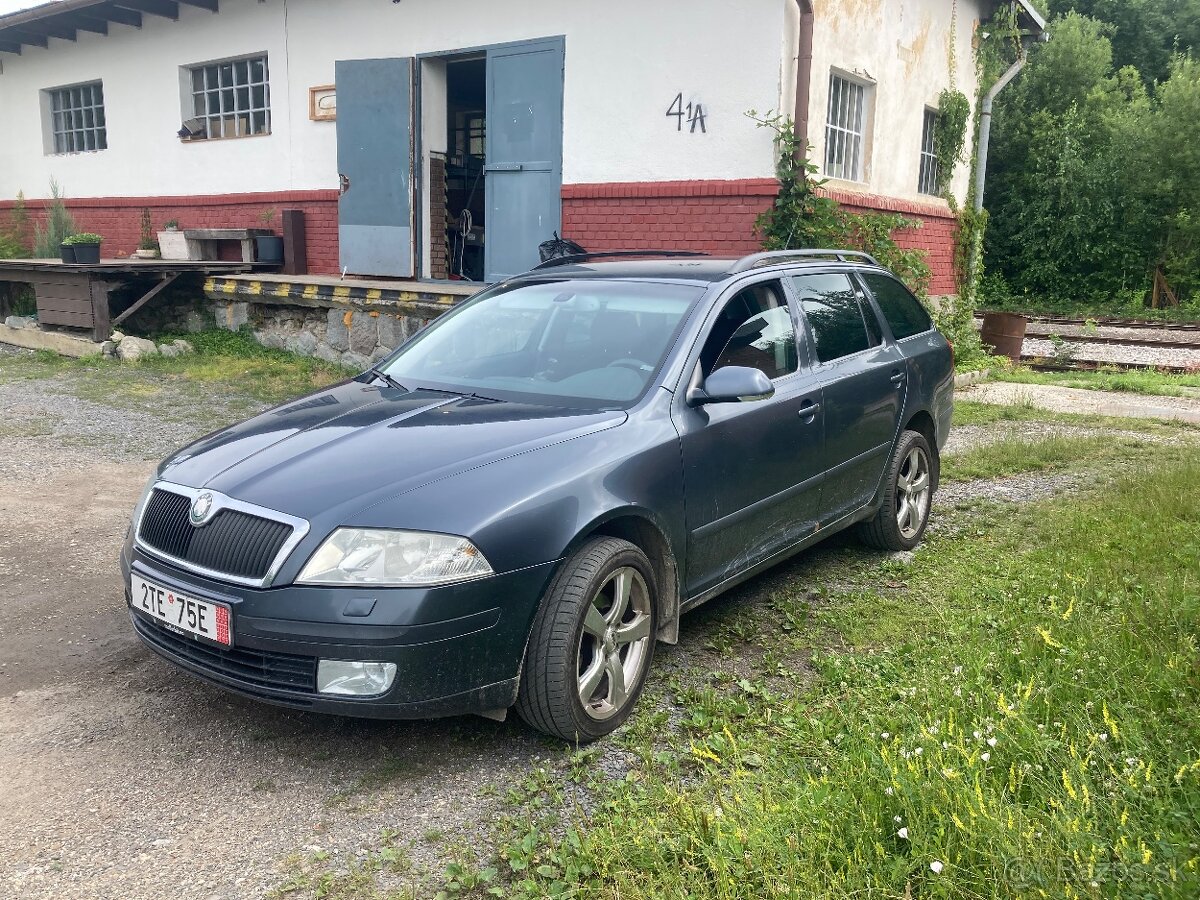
580 342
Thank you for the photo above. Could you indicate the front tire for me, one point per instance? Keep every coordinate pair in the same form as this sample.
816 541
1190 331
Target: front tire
591 644
908 484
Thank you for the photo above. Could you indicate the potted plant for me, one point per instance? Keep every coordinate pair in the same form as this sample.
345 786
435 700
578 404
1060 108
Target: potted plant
86 247
269 247
67 250
173 243
148 248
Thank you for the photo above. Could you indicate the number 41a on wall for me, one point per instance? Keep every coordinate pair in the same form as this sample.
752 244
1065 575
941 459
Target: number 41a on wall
693 112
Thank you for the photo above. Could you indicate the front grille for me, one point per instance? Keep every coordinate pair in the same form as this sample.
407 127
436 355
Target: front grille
233 542
249 668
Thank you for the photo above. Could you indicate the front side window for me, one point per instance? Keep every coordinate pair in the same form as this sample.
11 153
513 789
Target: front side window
834 314
77 120
845 129
927 181
902 310
755 330
580 342
232 99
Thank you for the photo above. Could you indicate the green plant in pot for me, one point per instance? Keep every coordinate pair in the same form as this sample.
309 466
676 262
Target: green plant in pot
269 247
148 247
86 247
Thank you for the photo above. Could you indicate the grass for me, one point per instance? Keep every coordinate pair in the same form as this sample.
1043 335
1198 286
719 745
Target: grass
1016 718
1134 382
1054 453
229 369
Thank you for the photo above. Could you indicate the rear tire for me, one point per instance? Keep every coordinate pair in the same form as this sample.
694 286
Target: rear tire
592 643
908 484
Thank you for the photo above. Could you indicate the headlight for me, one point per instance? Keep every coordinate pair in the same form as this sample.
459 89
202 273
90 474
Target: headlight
386 557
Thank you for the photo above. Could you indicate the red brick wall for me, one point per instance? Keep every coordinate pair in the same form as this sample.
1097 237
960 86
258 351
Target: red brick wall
717 217
119 219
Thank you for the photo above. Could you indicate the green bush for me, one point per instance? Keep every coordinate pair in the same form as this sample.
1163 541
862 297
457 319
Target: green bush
59 225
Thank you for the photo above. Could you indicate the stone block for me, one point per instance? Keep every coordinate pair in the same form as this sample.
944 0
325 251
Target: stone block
234 316
302 342
364 333
271 339
392 332
328 354
337 334
132 348
356 361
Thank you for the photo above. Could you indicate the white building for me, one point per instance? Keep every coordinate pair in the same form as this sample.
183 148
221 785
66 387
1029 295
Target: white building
618 125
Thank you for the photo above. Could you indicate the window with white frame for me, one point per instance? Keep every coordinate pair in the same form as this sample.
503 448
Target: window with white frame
845 129
233 98
77 118
927 181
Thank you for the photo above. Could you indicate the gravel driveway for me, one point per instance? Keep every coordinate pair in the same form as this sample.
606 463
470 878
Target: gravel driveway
121 777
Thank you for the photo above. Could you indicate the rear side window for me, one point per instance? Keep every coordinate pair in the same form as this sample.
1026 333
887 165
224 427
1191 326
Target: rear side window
831 305
902 310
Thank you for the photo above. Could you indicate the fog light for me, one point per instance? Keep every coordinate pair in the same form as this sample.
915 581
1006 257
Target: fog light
354 679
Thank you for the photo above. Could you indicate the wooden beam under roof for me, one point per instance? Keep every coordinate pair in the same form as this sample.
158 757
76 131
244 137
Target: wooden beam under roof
85 23
30 37
168 9
6 47
52 28
122 16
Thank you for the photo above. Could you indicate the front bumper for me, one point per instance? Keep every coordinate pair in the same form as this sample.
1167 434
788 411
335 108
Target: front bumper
457 649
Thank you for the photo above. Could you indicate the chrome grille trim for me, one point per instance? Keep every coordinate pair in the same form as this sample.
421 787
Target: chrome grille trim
221 501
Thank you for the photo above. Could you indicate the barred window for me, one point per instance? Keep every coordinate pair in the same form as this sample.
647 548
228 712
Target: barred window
232 99
77 118
845 128
927 181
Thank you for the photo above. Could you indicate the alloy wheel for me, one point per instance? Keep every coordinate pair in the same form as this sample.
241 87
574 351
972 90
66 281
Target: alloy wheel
912 493
614 643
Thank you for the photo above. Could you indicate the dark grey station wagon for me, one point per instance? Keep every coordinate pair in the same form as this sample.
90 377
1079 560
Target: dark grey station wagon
514 507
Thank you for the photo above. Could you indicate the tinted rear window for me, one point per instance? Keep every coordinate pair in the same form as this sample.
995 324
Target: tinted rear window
902 310
830 304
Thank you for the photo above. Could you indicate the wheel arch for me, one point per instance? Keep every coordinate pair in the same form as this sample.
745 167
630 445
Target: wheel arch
923 424
637 527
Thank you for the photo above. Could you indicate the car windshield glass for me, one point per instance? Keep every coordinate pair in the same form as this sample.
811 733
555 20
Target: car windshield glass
583 342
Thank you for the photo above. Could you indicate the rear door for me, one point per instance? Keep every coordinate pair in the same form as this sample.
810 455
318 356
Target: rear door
863 379
374 155
523 187
751 469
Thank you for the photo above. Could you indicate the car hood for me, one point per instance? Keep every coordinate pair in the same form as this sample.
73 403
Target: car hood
343 449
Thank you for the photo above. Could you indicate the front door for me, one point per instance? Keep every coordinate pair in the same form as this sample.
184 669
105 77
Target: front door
751 469
374 154
523 183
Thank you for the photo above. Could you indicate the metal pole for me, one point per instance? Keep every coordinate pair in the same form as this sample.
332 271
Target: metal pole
985 126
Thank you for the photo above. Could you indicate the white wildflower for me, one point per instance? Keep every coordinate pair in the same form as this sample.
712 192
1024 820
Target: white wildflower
976 735
936 866
886 735
897 819
1104 736
902 834
888 791
991 742
985 756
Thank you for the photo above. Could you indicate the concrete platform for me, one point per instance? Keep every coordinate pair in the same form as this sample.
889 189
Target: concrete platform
56 341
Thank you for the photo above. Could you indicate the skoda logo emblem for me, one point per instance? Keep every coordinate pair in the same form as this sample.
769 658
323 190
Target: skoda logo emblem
201 508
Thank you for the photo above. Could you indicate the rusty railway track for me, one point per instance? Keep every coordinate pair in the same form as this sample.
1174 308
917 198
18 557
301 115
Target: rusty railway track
1044 364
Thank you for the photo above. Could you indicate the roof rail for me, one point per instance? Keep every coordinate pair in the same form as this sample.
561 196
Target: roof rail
754 260
611 254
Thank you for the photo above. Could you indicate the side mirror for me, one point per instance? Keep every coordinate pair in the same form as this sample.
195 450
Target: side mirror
732 384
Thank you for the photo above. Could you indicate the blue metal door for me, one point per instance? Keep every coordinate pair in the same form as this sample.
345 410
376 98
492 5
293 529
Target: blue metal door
523 187
374 151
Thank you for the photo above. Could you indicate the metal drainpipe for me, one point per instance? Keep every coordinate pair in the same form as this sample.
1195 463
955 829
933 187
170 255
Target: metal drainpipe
804 57
985 124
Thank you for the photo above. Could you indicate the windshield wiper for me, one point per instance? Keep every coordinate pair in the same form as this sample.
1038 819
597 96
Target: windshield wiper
386 378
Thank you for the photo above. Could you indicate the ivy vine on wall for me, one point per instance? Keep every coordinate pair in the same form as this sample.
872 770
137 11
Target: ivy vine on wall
950 134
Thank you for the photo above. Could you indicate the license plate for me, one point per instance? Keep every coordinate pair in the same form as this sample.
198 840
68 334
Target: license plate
181 614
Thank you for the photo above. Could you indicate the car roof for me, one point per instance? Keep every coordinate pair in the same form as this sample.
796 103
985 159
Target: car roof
702 270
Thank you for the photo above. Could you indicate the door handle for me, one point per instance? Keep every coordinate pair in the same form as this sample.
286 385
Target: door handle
898 378
808 410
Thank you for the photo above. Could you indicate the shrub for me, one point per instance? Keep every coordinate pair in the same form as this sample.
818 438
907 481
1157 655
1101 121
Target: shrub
58 226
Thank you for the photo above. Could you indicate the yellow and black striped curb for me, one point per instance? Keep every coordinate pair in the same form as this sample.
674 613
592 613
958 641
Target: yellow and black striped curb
404 302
